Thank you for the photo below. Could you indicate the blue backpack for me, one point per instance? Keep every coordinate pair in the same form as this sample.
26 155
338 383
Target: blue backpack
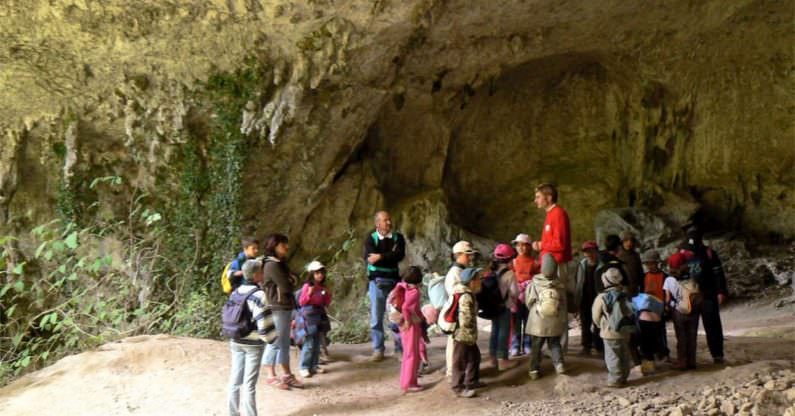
620 315
236 319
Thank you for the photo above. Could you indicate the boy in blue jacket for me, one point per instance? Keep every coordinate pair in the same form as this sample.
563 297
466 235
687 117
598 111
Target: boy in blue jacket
250 252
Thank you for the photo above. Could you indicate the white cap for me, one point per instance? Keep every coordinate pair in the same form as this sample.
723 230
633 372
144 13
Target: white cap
611 277
314 266
463 247
522 238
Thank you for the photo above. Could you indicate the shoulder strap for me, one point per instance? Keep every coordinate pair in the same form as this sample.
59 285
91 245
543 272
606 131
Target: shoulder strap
374 236
253 291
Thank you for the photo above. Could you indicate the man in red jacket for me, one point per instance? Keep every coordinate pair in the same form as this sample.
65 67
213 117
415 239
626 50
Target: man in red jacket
555 237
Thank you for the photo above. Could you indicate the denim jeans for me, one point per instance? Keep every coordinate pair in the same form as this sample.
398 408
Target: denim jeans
279 351
245 373
310 352
377 312
500 330
520 341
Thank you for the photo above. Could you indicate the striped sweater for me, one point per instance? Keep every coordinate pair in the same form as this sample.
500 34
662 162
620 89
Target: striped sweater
256 304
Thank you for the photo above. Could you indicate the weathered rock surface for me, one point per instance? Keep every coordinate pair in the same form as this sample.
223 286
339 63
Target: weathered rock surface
447 112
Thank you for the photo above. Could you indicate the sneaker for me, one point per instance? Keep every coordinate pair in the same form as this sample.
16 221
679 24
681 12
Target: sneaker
305 373
534 375
493 361
647 367
467 394
320 370
515 353
616 384
560 369
377 356
415 389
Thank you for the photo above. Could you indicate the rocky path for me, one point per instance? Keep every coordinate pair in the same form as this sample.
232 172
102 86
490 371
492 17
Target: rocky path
163 375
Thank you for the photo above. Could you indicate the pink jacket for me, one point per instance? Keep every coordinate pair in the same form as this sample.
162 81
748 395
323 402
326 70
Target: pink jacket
411 303
321 296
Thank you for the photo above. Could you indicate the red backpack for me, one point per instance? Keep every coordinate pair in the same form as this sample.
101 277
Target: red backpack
653 284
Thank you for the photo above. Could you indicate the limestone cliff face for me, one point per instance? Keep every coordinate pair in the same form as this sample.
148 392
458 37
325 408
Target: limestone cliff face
446 112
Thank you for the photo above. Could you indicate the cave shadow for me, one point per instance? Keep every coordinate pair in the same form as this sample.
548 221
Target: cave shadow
575 366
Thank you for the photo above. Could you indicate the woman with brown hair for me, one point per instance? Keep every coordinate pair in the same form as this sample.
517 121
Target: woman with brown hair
279 286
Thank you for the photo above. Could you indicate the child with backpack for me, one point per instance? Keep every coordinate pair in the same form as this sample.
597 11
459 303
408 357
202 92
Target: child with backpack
497 300
652 284
648 305
682 298
613 316
547 321
466 354
311 321
247 337
406 297
232 276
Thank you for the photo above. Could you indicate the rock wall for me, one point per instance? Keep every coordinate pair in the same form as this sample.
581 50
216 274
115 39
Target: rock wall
447 112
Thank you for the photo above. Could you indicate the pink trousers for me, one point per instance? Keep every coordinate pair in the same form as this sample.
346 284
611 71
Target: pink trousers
409 368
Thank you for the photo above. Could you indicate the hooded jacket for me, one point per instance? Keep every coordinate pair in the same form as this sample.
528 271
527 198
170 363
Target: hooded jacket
537 324
599 313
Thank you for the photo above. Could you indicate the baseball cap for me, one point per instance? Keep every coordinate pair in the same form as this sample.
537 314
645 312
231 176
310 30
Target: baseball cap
463 247
522 238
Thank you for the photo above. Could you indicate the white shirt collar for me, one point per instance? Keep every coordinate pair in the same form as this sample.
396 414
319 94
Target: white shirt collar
551 206
381 237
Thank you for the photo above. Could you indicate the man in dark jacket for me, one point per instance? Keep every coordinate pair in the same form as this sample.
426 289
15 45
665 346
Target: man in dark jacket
383 251
712 283
585 294
632 264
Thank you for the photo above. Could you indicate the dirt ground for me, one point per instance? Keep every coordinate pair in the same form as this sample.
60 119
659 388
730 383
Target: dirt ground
164 375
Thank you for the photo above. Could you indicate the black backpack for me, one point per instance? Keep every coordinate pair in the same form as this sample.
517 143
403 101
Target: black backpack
236 319
490 300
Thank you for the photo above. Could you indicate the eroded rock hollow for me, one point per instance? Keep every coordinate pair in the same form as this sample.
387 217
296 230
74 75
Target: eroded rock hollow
445 112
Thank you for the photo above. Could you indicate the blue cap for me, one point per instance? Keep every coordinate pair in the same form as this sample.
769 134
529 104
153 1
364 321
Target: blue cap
468 274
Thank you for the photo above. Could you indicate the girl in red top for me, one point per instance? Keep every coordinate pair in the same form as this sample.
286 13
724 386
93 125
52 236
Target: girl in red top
524 268
312 320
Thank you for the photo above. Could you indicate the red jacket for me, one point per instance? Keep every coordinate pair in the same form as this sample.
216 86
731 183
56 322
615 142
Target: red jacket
524 267
556 235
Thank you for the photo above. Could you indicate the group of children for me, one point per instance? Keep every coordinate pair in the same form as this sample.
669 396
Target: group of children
528 303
